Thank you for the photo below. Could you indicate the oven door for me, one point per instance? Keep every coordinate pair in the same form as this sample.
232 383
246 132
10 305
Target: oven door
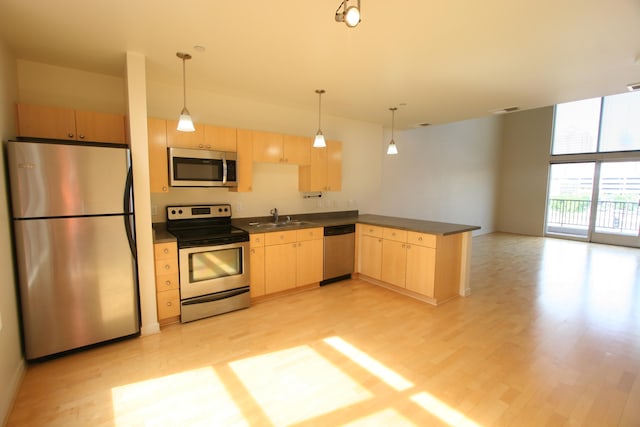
210 269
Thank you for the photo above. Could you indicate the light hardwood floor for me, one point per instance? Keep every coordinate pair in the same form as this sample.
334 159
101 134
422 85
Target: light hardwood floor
549 337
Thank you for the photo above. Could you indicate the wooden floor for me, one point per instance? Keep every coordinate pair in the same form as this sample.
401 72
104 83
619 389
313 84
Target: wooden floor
549 337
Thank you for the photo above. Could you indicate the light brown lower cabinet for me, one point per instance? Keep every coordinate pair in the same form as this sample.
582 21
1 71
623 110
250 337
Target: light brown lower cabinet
167 282
418 264
284 260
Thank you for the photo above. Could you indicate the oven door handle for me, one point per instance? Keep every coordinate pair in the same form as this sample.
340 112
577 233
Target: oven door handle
216 297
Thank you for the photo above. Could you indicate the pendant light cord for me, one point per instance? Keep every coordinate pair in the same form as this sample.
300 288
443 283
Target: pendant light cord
184 83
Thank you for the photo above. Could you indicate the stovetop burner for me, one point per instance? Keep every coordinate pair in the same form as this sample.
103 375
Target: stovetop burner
203 225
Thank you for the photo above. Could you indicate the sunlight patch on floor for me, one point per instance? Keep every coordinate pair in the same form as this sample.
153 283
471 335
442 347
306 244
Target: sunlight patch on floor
442 410
387 417
296 384
195 397
374 367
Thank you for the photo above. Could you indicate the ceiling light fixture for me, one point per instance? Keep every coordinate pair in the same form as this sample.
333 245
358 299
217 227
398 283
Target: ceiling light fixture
505 110
319 141
185 124
350 14
392 149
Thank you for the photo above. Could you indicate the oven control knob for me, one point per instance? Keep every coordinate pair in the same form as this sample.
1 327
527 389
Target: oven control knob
219 209
173 211
180 211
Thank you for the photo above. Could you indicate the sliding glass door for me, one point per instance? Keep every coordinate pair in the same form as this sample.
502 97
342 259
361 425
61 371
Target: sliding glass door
595 201
617 219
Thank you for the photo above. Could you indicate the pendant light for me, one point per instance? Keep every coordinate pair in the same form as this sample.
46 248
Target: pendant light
185 124
392 149
319 141
350 13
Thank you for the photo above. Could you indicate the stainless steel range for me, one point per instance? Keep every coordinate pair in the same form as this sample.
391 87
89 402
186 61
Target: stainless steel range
213 259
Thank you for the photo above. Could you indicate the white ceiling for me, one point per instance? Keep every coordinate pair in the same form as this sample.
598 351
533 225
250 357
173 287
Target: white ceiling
447 60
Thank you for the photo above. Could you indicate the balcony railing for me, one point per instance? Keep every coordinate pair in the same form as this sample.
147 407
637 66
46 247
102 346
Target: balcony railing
611 217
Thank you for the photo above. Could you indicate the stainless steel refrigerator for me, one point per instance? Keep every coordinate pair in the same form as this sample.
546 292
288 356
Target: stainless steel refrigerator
74 243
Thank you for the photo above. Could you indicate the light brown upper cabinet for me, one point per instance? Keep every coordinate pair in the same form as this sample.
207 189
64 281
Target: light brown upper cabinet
158 164
219 138
324 173
176 138
38 121
278 148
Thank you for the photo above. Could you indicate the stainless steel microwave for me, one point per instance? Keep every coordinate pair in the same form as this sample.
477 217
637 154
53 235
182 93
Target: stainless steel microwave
201 168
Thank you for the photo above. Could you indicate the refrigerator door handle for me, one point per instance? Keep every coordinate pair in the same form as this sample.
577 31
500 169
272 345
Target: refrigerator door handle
128 217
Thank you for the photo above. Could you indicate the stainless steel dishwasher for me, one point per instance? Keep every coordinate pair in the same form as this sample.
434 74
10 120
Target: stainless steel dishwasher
339 252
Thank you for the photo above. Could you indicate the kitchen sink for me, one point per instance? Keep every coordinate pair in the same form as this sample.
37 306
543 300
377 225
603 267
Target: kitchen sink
281 224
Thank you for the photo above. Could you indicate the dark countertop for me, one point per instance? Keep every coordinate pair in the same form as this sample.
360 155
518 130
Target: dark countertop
352 217
161 235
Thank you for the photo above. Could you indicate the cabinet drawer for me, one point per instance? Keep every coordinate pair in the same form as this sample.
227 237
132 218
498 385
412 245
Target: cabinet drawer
165 250
394 234
166 282
166 266
280 237
371 230
310 234
168 304
422 239
256 240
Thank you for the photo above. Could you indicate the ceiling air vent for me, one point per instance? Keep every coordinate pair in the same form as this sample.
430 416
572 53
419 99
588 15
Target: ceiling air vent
633 86
505 110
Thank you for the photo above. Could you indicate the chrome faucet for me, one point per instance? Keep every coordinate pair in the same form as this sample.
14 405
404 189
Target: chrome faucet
274 212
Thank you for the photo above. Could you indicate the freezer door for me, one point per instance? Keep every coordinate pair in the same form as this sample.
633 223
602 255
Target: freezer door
66 180
77 282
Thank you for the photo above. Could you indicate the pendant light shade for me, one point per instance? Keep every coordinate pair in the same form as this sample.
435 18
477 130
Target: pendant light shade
185 124
319 141
392 148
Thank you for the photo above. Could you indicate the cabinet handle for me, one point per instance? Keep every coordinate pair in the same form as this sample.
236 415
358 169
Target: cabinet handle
169 303
200 145
420 239
164 188
168 283
253 251
81 136
208 147
166 250
167 267
70 135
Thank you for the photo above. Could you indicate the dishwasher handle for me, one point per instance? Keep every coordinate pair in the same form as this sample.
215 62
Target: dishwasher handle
337 230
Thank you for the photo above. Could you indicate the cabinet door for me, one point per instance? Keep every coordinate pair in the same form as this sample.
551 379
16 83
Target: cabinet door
313 177
100 127
219 138
244 165
256 262
334 166
175 138
421 262
370 256
280 267
394 262
297 149
158 164
37 121
309 262
267 147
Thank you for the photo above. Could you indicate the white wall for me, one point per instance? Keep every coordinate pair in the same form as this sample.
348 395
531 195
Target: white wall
445 173
11 361
524 167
